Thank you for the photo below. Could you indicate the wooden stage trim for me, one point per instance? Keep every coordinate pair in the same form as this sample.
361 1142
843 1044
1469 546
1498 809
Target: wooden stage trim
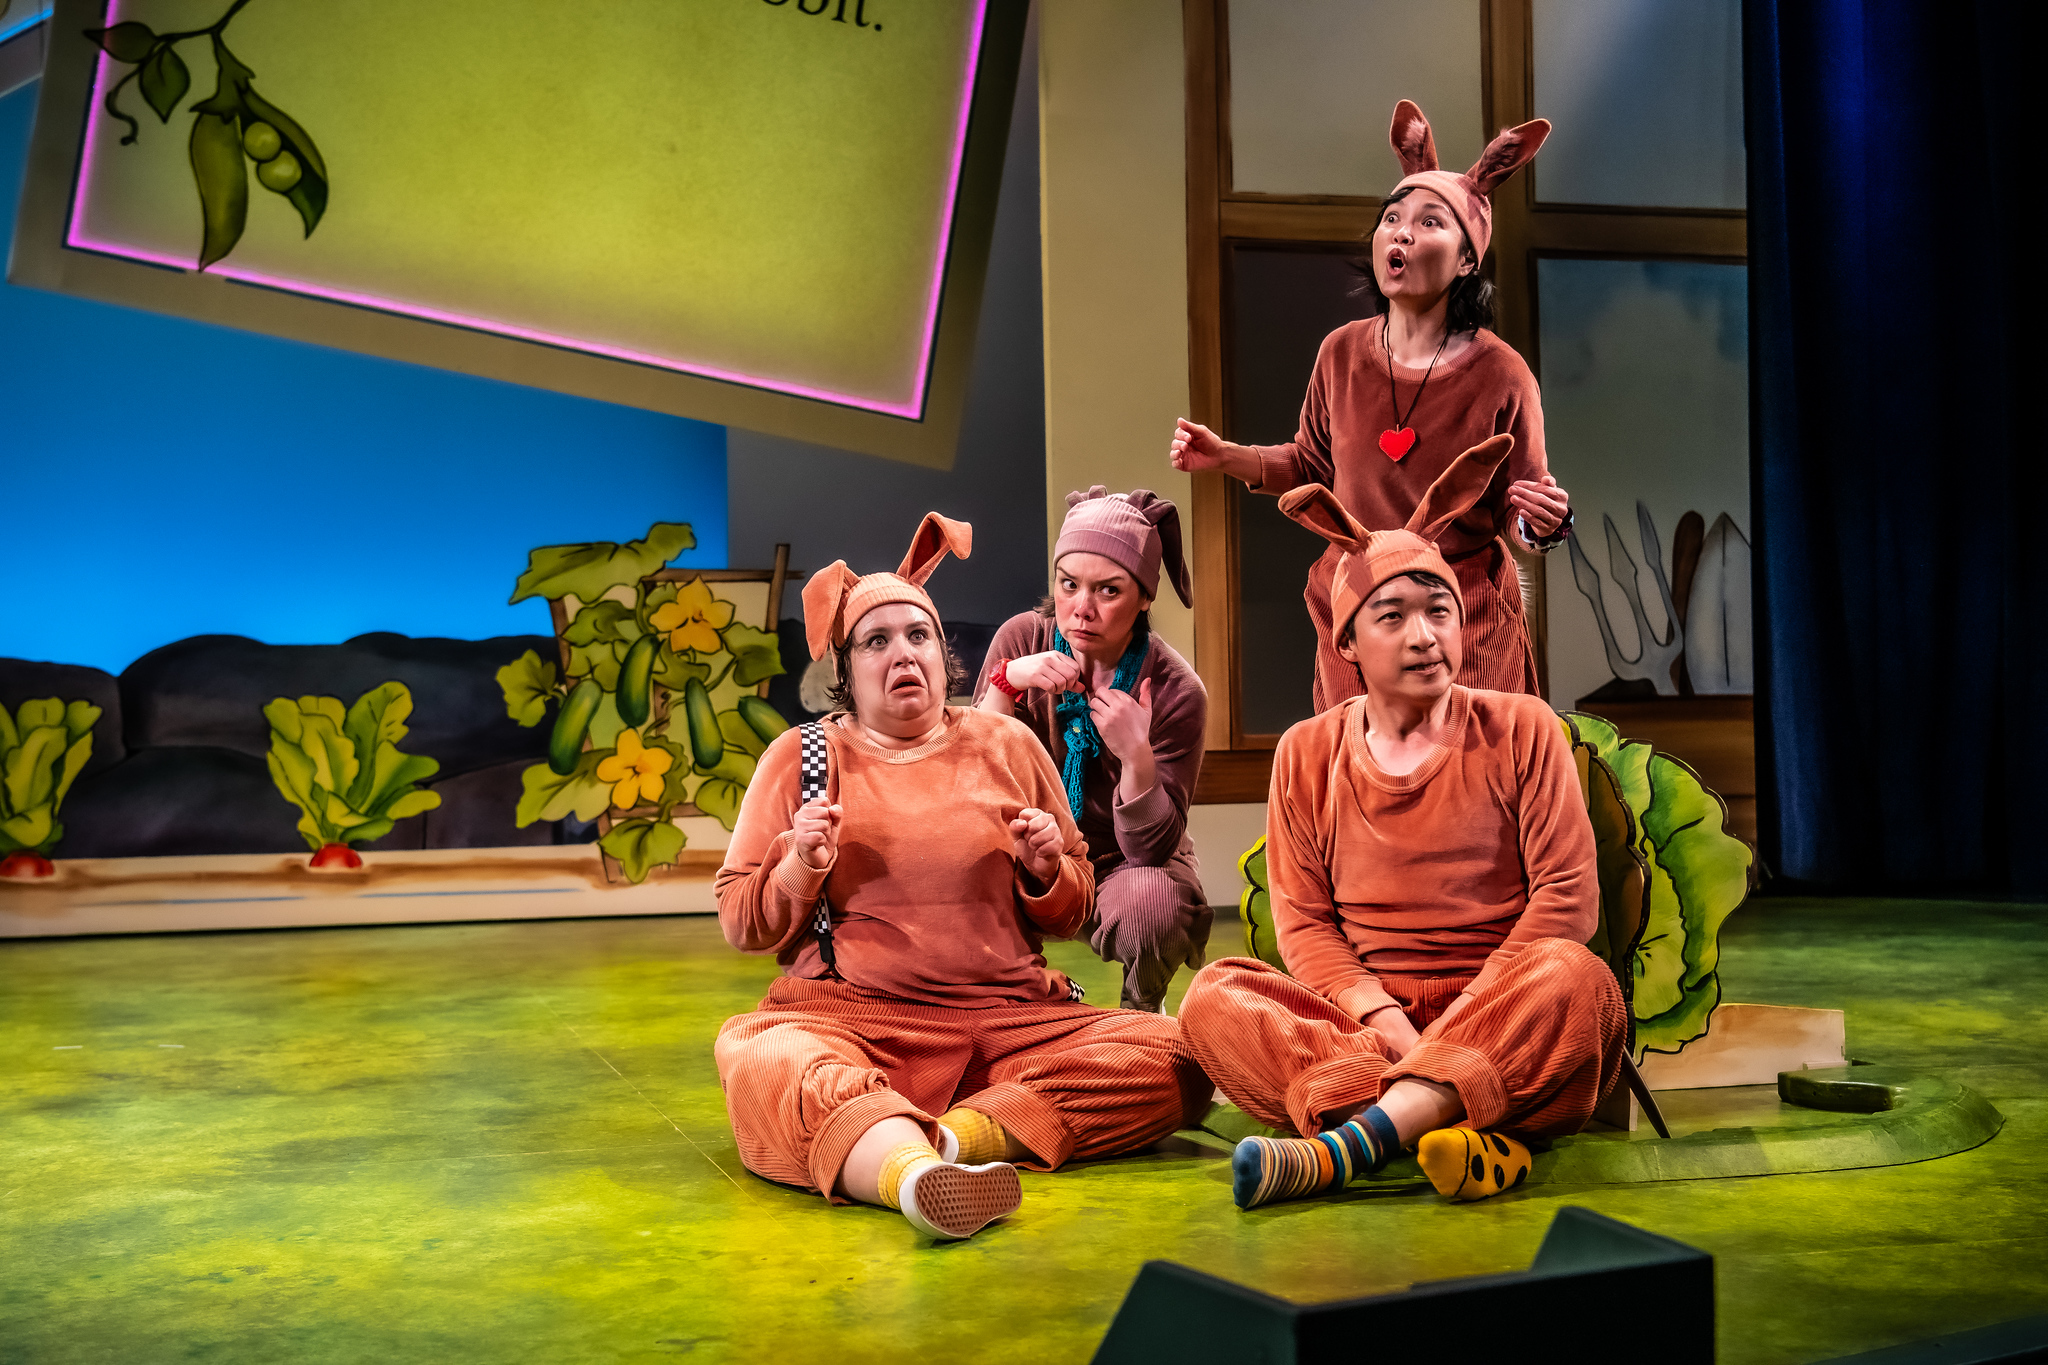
278 891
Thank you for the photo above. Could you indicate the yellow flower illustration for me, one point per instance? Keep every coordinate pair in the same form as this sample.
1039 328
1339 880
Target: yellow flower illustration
694 619
634 771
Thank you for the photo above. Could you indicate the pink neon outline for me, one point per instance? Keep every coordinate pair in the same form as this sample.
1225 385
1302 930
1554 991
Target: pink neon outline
913 409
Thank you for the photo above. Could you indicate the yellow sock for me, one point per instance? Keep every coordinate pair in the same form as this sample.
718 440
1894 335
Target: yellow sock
902 1163
1466 1165
981 1137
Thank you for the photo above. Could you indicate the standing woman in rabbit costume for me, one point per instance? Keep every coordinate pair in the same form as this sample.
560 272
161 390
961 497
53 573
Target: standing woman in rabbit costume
1395 398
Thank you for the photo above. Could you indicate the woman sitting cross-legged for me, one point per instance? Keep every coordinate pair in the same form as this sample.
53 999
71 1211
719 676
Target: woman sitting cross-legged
1433 885
917 1044
1122 714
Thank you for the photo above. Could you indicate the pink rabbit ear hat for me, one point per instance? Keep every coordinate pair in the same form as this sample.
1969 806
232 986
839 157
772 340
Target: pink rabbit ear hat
1372 557
1469 197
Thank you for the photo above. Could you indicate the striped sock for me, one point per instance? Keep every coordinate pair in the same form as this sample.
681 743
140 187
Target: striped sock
1268 1169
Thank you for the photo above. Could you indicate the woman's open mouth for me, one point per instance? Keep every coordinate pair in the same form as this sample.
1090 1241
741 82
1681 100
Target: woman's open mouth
1396 260
907 683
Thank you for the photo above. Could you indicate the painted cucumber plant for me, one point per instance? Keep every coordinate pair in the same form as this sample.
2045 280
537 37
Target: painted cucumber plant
44 746
232 128
1697 874
655 715
343 770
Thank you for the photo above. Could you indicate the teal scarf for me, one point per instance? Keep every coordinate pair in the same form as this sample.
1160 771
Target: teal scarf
1078 725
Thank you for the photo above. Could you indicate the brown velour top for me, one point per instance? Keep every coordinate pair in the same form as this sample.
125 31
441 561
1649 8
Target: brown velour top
1489 390
1446 871
1152 830
928 900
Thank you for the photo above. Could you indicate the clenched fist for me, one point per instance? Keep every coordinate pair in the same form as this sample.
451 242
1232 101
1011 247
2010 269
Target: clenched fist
816 830
1036 837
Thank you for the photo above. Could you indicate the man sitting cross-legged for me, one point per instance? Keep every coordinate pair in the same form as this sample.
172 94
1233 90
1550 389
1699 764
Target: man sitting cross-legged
917 1044
1432 877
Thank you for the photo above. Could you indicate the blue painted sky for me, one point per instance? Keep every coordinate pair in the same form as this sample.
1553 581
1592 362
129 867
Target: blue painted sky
165 478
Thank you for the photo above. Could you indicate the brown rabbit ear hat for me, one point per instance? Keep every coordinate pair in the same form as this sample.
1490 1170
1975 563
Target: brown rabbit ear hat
1469 197
836 597
1372 557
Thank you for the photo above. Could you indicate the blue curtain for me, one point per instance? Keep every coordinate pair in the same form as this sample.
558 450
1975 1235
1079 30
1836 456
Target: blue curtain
1897 469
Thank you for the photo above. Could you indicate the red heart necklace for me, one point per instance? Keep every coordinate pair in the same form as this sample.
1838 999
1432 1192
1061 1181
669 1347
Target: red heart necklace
1399 439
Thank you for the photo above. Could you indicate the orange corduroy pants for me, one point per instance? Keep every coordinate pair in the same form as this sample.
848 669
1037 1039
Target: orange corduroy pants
1534 1053
818 1063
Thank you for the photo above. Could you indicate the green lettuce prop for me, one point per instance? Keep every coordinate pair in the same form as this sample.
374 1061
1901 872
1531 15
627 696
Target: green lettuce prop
343 770
1696 874
44 746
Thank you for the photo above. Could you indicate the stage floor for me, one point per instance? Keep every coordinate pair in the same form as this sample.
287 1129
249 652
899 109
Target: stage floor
506 1142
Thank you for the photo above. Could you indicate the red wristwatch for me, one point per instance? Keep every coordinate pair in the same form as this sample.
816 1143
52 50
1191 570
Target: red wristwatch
999 679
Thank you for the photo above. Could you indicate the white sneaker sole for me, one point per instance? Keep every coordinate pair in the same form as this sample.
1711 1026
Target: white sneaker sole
954 1202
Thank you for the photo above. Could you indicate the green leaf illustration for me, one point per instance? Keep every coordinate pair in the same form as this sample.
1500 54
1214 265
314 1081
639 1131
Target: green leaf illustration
223 181
757 654
545 795
129 42
603 619
600 661
736 767
740 735
342 768
720 800
672 670
528 685
643 845
165 80
587 571
80 717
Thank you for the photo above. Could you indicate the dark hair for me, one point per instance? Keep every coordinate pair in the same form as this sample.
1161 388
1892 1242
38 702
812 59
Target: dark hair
841 691
1142 626
1470 305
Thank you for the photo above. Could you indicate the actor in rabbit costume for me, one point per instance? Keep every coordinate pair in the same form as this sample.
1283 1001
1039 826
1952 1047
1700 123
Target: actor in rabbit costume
1433 882
1394 398
917 1044
1122 715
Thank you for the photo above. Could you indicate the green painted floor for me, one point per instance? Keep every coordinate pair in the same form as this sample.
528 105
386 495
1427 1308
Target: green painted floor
506 1142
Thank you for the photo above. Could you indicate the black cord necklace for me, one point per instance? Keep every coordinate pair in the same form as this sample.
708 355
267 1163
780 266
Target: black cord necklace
1398 440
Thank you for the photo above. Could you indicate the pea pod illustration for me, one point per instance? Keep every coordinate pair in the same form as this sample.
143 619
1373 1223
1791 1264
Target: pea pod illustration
763 719
565 745
636 680
707 741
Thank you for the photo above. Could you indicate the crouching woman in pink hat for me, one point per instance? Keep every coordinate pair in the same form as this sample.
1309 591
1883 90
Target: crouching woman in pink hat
1122 714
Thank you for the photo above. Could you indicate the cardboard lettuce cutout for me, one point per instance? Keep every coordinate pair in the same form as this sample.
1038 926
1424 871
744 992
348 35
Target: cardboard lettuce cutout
1696 874
342 768
1255 907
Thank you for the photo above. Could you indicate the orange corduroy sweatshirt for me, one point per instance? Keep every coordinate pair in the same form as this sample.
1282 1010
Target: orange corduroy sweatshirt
928 900
1449 870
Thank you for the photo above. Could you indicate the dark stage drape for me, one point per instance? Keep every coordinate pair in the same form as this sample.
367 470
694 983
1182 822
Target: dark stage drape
1896 455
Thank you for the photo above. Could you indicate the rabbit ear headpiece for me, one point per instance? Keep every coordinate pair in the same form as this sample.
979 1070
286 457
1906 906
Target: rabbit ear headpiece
1372 557
1138 530
836 597
1469 197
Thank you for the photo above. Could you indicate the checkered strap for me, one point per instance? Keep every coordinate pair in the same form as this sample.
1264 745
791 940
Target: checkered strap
813 766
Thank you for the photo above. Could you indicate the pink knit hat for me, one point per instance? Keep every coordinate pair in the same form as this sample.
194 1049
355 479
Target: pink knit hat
836 597
1137 530
1372 557
1469 197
